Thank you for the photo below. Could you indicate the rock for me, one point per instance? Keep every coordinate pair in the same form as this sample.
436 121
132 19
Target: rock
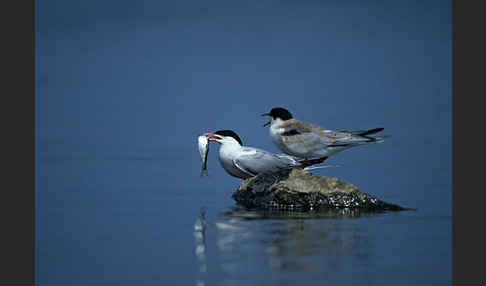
301 190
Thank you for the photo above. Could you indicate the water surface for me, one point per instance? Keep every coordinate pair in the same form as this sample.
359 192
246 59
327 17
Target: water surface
120 220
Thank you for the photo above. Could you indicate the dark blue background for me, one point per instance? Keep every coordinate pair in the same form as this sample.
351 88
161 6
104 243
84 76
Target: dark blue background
123 89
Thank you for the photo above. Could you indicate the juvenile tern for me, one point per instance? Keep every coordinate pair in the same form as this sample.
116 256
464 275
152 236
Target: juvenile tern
306 140
245 162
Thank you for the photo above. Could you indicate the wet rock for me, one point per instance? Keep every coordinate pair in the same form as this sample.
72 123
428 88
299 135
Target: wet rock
301 190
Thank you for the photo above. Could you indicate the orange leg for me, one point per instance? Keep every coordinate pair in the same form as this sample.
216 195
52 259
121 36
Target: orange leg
303 165
306 162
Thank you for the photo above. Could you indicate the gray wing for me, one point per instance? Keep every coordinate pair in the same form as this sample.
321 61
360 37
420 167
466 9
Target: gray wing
357 137
364 132
292 160
255 161
304 134
350 138
315 136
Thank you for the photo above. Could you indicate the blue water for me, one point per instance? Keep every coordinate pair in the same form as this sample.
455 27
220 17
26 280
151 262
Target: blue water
122 94
132 219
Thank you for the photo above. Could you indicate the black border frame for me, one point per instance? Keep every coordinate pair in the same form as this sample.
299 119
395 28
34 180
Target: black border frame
467 79
17 116
19 133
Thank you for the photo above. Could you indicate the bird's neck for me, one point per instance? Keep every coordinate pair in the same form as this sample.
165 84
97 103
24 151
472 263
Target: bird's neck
276 127
228 150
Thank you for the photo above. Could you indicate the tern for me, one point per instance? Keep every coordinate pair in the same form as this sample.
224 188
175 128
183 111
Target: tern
306 140
246 162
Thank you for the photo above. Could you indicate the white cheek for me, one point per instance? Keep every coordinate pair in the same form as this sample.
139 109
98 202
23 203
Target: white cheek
279 131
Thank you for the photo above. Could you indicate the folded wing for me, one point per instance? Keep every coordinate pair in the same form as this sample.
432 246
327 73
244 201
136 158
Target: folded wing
254 161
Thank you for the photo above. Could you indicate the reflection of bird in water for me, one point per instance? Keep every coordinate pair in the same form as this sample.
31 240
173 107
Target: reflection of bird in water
200 224
200 241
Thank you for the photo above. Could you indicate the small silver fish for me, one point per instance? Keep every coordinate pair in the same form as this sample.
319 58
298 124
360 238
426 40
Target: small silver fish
203 145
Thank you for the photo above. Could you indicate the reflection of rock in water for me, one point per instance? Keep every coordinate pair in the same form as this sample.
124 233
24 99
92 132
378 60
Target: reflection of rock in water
291 240
200 243
332 240
302 239
323 212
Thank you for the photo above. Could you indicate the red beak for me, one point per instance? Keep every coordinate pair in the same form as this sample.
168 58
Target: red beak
209 134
